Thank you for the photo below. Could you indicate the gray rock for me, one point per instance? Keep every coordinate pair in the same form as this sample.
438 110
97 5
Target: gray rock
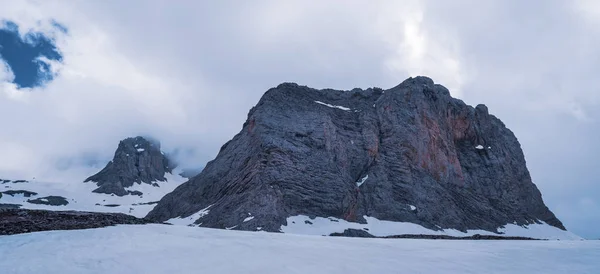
25 193
446 237
10 206
49 200
112 205
137 160
5 181
135 193
430 159
353 233
16 221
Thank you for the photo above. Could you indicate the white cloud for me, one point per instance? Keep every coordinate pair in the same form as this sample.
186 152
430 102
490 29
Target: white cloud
6 86
589 9
99 97
417 49
6 74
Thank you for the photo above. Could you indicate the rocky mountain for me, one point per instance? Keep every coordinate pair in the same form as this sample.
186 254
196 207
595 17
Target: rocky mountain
136 160
132 183
411 155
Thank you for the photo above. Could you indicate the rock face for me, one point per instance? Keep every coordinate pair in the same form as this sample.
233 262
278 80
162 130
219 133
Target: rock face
137 160
411 154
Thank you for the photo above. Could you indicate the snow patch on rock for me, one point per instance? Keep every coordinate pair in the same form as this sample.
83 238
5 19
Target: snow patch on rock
362 181
189 220
333 106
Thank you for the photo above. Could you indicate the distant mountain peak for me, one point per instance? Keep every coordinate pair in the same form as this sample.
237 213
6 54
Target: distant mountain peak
136 160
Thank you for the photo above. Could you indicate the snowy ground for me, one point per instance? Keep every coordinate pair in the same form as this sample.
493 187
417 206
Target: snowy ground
325 226
180 249
81 198
320 226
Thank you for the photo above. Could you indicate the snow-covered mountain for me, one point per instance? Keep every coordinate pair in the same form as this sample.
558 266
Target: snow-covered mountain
76 195
136 161
138 176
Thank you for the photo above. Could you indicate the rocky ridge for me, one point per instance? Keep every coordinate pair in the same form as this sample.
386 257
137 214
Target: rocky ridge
16 221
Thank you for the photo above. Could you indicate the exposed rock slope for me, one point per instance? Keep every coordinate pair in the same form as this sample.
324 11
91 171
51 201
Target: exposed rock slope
136 160
409 154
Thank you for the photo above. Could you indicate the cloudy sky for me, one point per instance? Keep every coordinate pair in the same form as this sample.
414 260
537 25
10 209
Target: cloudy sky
187 72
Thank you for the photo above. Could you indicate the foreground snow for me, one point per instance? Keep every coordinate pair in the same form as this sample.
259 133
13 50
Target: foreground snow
180 249
81 198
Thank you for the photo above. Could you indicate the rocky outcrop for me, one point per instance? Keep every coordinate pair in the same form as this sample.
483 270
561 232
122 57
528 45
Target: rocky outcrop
137 160
25 193
446 237
16 221
9 206
411 153
5 181
50 200
356 233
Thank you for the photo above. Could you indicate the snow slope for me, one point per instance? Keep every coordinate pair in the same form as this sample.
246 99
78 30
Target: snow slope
180 249
325 226
81 198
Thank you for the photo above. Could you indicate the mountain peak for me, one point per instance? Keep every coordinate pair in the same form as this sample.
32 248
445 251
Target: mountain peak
423 84
408 154
136 160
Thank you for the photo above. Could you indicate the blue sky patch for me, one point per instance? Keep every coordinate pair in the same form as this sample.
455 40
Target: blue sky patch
22 52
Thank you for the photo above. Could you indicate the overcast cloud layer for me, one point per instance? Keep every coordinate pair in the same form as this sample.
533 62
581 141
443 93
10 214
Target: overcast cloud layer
187 72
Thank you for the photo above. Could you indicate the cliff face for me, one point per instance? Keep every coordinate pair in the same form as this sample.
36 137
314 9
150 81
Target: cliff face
411 154
136 160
